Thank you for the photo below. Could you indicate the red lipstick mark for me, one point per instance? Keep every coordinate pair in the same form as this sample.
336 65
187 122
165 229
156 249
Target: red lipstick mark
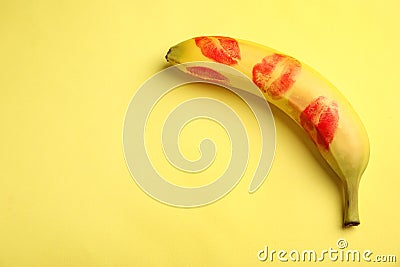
320 120
224 50
283 67
207 74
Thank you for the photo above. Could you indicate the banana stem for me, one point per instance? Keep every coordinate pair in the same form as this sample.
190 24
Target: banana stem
351 217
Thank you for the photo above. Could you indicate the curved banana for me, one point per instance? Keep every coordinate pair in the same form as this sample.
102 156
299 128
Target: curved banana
304 95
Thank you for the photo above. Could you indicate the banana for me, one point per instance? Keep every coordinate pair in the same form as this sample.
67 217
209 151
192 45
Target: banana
304 95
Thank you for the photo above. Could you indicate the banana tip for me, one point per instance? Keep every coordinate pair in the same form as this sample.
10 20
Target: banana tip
166 56
351 223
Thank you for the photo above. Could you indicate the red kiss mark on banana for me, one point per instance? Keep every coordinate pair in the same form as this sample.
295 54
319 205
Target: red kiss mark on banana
276 74
223 50
207 74
320 120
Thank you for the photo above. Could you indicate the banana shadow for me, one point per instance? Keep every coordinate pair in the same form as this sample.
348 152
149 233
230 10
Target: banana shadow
304 138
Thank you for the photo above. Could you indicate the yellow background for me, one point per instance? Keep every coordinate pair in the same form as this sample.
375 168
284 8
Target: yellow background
68 70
